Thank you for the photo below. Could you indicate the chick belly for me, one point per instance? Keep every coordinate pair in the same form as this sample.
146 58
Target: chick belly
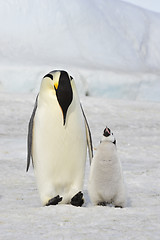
103 184
101 191
59 155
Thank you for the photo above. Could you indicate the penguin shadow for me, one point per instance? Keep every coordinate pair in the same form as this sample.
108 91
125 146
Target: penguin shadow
87 201
128 202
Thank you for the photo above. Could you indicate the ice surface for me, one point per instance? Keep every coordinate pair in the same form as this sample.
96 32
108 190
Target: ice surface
137 129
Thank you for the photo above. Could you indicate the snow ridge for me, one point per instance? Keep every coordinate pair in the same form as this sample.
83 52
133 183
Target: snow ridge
105 41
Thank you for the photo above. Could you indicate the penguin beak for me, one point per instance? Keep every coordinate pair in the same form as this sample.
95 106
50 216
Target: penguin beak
64 95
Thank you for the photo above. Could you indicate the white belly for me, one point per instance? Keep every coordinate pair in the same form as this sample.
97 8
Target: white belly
59 152
106 180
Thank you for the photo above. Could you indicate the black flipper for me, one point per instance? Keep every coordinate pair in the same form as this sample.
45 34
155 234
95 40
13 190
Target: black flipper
89 137
30 133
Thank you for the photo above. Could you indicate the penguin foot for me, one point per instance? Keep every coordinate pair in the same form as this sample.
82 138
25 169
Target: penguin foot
116 206
102 204
54 201
77 200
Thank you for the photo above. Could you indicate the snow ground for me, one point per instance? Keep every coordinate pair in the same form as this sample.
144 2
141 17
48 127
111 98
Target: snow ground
136 126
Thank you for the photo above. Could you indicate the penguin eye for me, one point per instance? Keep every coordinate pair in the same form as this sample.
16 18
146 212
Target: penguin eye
71 78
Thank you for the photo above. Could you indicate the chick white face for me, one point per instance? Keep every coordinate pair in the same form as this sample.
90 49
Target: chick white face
60 83
108 136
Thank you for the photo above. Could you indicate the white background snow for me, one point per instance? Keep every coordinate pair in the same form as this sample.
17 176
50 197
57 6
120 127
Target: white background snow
152 5
112 50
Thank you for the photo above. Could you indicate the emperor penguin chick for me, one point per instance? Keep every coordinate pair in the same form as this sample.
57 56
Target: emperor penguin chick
106 185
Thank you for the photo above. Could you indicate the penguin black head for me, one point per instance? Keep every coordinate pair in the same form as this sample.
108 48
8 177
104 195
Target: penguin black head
108 135
106 132
62 86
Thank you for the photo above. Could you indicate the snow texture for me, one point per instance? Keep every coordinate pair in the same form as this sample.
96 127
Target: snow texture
137 129
111 47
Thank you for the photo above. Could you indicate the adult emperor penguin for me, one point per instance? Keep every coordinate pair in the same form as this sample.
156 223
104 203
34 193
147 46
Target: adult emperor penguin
58 135
106 185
